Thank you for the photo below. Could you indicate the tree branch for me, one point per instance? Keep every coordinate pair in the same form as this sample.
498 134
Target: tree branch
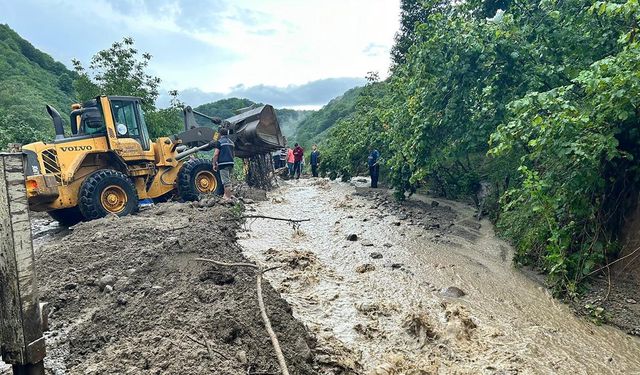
261 305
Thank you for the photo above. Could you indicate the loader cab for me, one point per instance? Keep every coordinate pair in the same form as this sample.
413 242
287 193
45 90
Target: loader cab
94 117
129 119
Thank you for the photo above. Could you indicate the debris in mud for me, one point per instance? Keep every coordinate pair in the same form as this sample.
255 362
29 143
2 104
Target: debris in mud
453 292
435 203
367 267
376 255
387 244
352 237
420 326
376 309
368 330
366 243
459 323
157 297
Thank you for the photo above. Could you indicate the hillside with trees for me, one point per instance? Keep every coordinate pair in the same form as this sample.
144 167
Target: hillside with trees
531 104
310 130
29 79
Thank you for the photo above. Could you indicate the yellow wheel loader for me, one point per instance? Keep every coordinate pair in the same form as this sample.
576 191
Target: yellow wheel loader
108 163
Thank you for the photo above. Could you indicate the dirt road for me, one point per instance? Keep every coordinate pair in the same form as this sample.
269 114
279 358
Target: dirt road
388 302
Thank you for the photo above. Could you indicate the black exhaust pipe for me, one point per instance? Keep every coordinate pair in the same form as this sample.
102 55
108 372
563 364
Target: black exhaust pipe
58 125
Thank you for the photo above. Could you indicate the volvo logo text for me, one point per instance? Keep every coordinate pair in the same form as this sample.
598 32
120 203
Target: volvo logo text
76 148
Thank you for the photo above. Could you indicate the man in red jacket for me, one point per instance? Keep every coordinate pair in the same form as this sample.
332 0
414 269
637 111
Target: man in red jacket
298 154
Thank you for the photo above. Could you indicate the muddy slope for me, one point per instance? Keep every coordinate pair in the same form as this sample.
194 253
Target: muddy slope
128 298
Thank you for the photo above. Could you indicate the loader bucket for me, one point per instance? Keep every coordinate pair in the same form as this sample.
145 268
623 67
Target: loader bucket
256 131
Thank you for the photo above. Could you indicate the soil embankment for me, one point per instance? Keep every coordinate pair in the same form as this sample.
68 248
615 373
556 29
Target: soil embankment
127 297
421 287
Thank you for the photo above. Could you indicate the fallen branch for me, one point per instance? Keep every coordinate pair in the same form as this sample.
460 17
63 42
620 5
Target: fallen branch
263 310
274 218
610 264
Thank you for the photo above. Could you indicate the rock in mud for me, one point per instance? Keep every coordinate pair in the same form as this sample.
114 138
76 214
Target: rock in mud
367 243
375 255
435 203
241 356
453 292
121 299
387 244
352 237
367 267
105 281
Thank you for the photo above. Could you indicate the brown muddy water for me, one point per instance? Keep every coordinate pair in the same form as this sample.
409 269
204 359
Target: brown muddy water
377 306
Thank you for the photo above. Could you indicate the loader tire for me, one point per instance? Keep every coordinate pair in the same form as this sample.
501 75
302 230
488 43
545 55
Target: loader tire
105 192
196 178
67 216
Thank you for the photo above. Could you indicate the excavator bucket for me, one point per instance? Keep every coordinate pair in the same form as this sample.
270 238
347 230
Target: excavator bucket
256 131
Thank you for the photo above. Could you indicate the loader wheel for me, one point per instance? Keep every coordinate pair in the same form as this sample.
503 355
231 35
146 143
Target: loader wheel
195 178
67 216
107 192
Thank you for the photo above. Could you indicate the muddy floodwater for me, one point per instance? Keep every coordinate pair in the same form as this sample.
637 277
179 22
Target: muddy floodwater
413 296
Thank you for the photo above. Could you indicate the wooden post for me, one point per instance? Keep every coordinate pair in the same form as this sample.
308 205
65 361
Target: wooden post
21 340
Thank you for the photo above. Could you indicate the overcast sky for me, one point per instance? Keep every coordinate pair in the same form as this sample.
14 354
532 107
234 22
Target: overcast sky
295 53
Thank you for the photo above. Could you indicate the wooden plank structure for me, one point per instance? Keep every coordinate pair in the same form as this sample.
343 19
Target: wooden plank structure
21 324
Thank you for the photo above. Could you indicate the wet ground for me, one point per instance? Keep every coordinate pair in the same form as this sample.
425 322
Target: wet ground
419 289
127 297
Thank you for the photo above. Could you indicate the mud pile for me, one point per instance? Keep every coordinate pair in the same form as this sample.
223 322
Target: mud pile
127 297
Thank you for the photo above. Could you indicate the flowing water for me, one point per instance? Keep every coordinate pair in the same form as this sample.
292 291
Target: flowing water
389 315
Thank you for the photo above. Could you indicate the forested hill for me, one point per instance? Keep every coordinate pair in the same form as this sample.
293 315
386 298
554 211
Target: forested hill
311 129
29 79
289 118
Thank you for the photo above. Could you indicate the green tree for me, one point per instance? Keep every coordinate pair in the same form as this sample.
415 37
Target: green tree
122 70
119 70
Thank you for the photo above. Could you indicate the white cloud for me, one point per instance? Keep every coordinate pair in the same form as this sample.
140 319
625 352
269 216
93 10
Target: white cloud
214 45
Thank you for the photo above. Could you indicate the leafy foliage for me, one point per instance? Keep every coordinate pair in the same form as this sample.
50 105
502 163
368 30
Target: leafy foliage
538 102
121 70
311 129
29 79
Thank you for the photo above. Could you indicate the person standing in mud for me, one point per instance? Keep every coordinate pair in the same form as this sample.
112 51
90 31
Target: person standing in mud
290 161
315 161
374 167
298 154
223 155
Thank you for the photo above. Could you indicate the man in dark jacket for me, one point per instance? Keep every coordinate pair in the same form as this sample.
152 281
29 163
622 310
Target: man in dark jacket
315 160
223 160
298 154
374 168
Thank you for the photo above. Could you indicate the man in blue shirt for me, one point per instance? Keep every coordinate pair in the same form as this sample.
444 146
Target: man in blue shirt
223 160
315 160
374 168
